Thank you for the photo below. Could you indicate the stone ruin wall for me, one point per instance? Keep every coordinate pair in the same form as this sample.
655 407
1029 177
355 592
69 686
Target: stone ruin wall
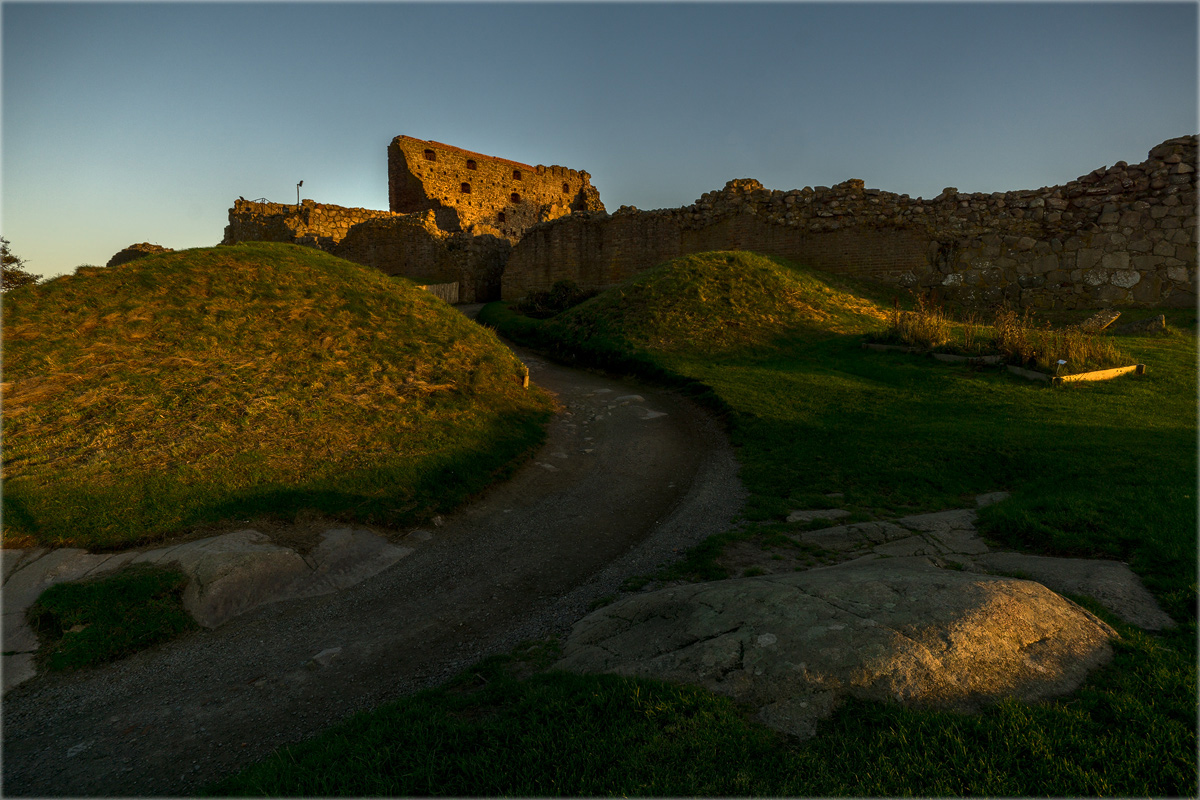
480 194
315 224
435 232
1118 236
408 245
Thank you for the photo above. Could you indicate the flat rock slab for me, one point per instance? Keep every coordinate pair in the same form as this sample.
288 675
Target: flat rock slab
1100 320
957 519
891 629
808 515
228 576
1110 583
236 572
856 536
231 574
950 539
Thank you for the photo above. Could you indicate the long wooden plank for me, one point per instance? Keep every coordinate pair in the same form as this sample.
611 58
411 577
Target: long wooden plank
1102 374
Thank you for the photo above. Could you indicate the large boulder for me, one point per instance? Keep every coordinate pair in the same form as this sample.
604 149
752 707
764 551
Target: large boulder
895 629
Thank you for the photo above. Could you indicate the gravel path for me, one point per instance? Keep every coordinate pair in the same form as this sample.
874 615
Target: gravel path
629 478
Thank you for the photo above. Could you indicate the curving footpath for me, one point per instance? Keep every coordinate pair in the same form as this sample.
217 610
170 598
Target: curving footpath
628 479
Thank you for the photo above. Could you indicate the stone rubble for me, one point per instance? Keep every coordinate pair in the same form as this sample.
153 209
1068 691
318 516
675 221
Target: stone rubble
134 251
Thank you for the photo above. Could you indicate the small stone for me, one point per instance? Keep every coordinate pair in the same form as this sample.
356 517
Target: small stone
77 749
323 658
1125 278
809 515
1152 325
988 499
1098 322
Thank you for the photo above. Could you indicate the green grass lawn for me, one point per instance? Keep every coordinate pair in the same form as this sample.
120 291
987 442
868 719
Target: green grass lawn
191 388
1102 470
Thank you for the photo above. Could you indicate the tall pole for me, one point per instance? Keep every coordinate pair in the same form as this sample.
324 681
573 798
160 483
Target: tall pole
298 185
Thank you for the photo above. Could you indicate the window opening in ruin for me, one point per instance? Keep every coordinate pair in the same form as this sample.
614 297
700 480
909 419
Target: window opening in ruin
516 198
471 164
516 174
430 155
466 188
566 188
500 217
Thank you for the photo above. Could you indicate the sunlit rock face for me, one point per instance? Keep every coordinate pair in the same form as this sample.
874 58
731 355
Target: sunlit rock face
895 629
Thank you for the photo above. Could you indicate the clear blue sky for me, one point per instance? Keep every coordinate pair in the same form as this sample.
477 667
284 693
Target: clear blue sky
138 122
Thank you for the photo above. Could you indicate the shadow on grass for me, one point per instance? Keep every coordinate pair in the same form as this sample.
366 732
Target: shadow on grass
397 494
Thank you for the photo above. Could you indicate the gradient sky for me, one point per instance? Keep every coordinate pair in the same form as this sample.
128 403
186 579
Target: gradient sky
138 122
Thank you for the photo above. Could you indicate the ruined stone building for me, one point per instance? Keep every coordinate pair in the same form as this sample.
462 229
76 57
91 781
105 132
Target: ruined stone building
1120 235
473 192
454 216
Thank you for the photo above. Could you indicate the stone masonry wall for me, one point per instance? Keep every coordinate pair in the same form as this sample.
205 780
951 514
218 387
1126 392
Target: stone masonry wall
408 245
455 216
1118 236
412 246
309 223
481 194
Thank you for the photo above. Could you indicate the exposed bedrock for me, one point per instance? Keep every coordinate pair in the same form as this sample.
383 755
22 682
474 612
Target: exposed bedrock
897 629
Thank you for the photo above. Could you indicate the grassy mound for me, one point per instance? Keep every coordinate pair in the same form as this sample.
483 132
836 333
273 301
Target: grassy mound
720 304
263 379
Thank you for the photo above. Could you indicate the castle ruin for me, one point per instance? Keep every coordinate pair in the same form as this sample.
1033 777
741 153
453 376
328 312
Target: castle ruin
482 194
454 216
1120 235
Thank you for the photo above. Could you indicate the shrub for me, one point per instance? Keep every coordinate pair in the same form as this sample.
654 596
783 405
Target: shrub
927 327
1080 350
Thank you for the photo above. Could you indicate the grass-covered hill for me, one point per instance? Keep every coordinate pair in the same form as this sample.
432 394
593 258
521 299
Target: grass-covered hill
215 384
717 305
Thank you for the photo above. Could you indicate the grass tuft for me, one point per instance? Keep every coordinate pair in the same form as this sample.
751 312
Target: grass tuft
1063 350
87 623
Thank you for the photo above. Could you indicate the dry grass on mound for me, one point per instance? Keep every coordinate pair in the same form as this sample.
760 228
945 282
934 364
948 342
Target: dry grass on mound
240 370
726 301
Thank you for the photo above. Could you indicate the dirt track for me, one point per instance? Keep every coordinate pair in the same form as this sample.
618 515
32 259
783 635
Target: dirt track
619 488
